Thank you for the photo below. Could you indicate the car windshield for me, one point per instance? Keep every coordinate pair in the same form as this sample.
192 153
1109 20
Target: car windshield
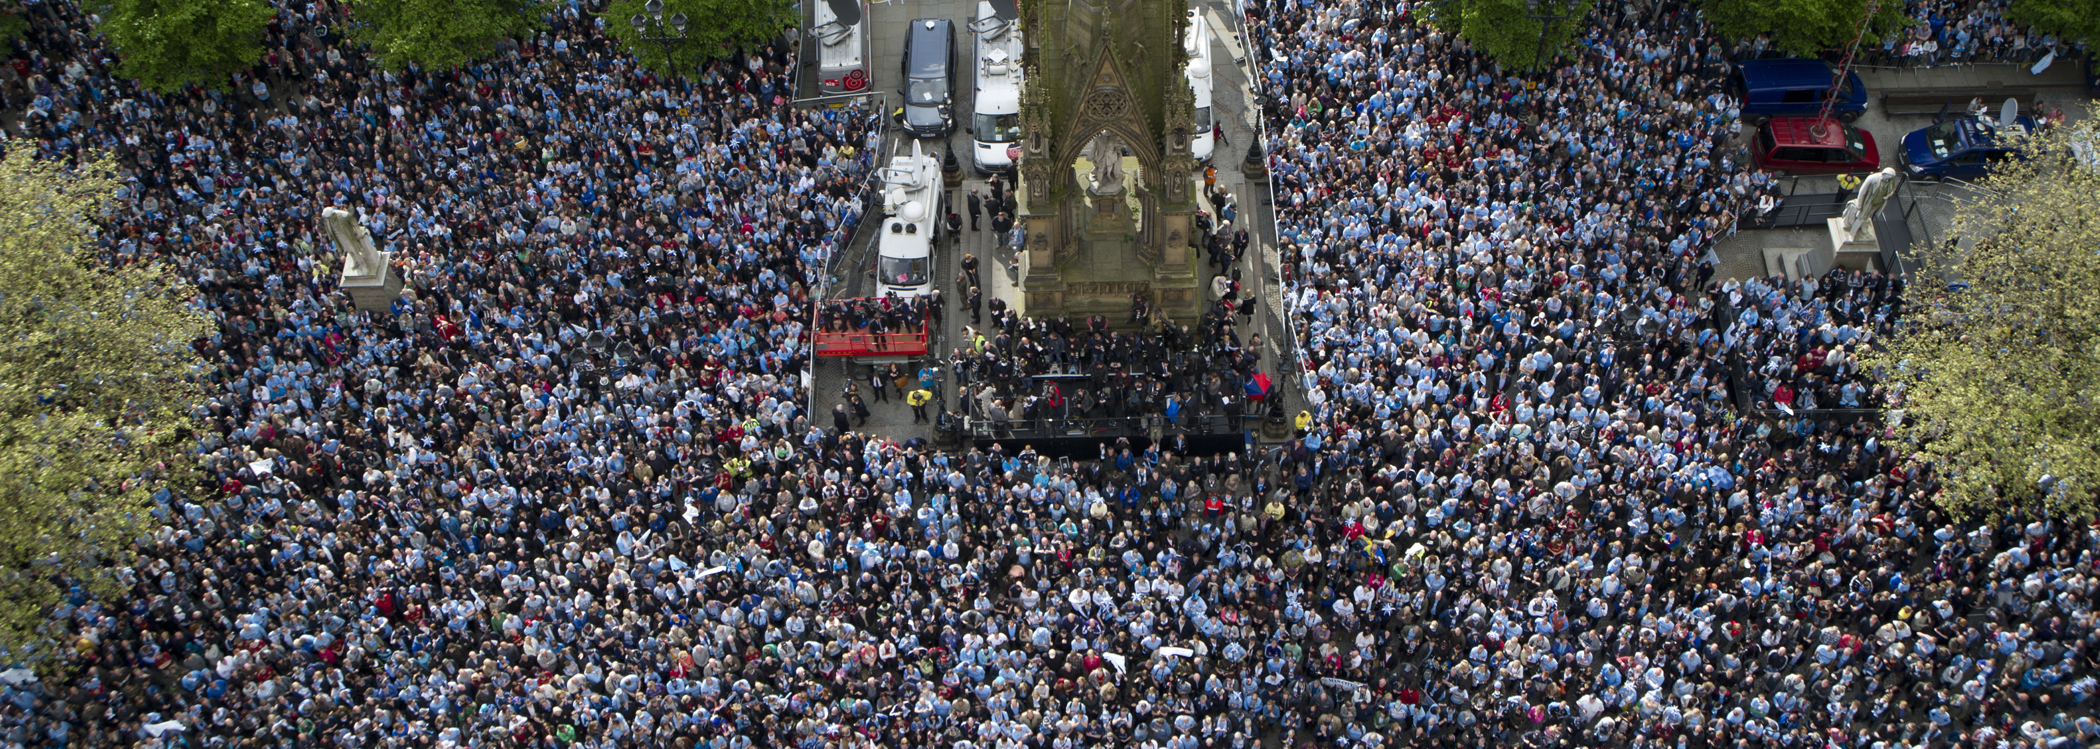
1202 119
926 91
1943 138
899 271
1856 143
998 128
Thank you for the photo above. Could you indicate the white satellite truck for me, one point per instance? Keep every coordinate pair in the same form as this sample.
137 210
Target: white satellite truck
911 208
1203 140
995 125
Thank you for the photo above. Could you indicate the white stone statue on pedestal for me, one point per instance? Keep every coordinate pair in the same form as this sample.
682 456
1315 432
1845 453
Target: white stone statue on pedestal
1873 194
354 242
365 273
1107 155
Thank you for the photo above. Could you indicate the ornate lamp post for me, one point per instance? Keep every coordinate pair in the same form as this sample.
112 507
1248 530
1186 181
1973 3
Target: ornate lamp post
653 27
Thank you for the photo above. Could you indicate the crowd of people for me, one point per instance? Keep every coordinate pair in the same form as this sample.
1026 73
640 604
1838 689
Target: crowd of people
1621 504
1947 32
890 314
1551 485
1029 373
1954 32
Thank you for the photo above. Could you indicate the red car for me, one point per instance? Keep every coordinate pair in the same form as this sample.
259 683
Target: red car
1805 145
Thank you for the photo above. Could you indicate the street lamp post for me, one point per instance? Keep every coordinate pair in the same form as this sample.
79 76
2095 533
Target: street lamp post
653 27
1546 21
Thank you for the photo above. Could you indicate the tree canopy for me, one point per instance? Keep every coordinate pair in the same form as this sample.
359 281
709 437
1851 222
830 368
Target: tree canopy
441 34
1506 29
1806 28
714 28
2074 21
97 377
1998 363
168 44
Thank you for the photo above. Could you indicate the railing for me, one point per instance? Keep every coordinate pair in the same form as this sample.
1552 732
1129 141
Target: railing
1052 427
1796 210
854 343
1289 357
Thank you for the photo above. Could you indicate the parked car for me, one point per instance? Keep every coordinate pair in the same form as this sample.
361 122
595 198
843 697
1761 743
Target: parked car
929 79
1805 145
1958 148
1776 88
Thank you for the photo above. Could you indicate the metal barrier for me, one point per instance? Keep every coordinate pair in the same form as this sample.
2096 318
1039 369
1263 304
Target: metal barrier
870 192
857 344
1289 356
1099 427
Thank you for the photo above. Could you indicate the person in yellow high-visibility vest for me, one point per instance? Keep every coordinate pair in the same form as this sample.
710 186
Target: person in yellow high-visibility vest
1846 184
1304 421
918 399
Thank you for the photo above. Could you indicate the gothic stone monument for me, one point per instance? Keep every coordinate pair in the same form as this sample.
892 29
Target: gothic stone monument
1106 79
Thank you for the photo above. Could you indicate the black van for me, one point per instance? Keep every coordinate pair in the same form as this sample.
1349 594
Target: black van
929 79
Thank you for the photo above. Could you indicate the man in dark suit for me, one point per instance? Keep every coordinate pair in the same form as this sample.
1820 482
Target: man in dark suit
976 209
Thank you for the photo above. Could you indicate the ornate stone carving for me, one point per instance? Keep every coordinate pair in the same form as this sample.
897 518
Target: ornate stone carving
1107 106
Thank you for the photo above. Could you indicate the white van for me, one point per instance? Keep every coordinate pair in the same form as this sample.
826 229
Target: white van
1197 44
995 126
841 34
911 224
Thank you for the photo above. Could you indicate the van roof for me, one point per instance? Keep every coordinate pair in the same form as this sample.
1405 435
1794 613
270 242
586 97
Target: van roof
1789 73
901 242
847 11
1801 131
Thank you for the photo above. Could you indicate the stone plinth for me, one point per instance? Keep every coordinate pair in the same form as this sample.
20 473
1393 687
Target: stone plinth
1856 251
373 292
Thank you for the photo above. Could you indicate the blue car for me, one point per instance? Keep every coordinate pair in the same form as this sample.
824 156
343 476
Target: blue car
1796 87
1958 148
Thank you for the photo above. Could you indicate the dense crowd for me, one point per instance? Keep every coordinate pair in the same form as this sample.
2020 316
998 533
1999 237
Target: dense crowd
1947 32
1621 504
592 328
1551 486
1162 376
1953 32
890 314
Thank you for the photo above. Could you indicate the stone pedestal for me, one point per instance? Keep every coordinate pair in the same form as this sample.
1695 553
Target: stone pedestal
1857 251
374 292
1110 214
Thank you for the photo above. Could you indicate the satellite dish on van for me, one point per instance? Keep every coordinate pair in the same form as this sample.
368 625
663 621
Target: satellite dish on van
1006 10
847 11
2009 115
1199 68
913 211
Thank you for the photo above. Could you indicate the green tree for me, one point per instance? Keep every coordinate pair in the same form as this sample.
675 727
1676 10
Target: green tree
97 377
1513 31
12 27
2075 21
1806 28
714 29
168 44
1998 364
441 34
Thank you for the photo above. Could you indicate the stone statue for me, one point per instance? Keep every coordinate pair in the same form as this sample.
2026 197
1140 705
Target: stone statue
1873 194
354 241
1107 155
